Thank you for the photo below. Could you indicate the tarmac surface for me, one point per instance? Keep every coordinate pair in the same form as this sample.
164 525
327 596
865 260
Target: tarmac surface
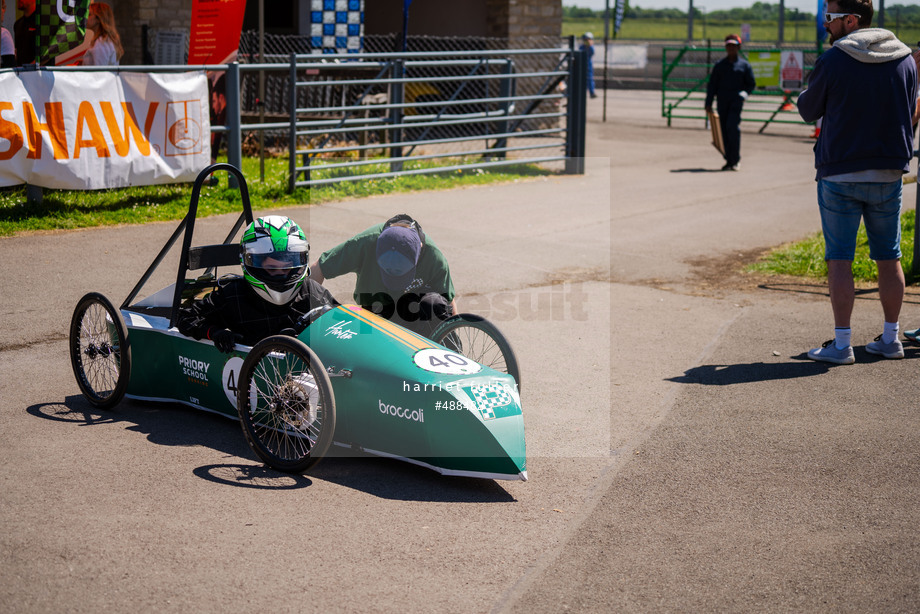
683 453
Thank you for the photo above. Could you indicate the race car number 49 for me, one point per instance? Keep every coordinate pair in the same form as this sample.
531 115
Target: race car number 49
444 361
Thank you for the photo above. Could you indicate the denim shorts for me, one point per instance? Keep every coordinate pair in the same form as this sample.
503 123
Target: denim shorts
843 204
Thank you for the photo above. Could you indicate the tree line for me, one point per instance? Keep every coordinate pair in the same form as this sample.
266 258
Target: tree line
759 11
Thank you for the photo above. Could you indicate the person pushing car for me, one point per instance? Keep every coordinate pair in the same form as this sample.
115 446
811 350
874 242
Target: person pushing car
401 274
270 297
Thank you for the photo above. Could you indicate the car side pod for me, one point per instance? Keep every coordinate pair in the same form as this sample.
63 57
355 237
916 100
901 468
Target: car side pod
412 399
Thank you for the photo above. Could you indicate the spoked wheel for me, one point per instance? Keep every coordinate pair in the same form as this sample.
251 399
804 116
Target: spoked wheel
99 351
479 340
285 403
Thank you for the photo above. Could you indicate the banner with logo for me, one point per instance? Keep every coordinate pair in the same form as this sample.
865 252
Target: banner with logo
93 130
618 18
61 27
214 36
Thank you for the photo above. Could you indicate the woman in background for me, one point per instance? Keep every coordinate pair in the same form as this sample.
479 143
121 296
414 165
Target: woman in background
106 49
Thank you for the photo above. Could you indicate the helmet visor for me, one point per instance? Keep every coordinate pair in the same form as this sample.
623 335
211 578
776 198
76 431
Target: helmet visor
277 269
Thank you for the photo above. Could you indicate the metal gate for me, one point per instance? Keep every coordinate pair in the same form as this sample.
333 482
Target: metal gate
380 115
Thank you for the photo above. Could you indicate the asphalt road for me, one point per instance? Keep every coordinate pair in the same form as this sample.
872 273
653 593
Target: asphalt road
682 454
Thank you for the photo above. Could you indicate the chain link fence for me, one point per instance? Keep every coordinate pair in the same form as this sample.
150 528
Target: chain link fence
274 104
448 100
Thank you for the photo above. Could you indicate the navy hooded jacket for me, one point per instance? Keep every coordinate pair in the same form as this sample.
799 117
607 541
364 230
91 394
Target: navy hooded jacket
865 88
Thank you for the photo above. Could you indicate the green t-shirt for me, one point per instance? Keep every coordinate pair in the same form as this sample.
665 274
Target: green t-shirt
359 255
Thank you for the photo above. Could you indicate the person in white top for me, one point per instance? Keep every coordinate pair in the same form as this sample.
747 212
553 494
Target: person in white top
106 49
7 46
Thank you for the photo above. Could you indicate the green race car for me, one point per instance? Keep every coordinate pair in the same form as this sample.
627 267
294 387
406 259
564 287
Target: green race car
451 403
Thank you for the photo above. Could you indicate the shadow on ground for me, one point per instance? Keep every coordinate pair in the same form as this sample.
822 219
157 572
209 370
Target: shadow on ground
176 425
726 375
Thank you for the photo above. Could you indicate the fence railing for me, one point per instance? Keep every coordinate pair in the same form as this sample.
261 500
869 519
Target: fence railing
380 115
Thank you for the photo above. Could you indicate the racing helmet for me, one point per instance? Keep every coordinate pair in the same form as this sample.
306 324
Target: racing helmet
275 254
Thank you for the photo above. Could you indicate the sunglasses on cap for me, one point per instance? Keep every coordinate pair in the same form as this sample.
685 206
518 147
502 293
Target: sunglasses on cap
829 17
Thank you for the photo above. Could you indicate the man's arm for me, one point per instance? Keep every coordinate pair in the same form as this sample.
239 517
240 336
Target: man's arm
916 97
196 319
345 257
749 82
316 273
712 87
813 101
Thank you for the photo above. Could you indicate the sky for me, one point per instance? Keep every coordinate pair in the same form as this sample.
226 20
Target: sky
711 5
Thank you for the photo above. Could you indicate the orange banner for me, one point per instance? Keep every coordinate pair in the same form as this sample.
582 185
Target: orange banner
214 37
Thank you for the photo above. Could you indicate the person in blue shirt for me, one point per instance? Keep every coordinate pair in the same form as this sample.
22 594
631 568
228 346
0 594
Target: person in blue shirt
731 82
587 43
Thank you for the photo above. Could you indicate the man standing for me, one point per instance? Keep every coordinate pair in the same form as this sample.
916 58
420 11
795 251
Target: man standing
731 82
865 88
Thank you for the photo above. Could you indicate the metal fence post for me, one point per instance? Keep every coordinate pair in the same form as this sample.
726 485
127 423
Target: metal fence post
506 90
915 263
397 97
577 112
234 136
292 133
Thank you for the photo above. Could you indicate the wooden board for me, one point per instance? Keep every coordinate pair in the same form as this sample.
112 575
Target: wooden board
716 127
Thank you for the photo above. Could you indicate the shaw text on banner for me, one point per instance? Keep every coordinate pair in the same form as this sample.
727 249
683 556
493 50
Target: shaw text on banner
93 130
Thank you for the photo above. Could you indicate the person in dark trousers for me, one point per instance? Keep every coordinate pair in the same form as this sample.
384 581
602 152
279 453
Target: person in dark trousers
731 82
401 274
865 89
270 297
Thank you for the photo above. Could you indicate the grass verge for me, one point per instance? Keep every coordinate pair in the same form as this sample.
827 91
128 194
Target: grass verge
70 209
806 258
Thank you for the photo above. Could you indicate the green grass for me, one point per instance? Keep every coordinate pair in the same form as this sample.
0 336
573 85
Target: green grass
762 32
806 258
67 209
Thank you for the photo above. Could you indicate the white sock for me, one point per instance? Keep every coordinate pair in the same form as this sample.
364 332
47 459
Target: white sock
890 332
842 338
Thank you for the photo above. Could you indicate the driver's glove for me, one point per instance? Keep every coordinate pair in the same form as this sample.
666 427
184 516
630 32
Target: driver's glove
224 339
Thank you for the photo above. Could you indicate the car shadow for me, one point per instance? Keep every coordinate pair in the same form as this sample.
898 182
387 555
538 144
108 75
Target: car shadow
401 481
171 424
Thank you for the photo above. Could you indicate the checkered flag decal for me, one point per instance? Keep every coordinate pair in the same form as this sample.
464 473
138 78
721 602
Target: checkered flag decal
488 397
336 26
59 29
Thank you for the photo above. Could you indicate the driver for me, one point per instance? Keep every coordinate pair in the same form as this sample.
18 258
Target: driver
268 299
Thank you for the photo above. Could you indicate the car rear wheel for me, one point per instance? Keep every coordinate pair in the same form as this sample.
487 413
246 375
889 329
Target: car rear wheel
286 404
99 351
478 339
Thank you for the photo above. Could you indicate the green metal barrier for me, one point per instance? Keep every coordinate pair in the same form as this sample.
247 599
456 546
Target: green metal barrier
685 74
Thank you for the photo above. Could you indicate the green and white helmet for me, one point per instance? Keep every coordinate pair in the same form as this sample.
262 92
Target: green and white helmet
275 254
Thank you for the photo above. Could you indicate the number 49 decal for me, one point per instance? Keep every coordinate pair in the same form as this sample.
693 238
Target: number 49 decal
444 361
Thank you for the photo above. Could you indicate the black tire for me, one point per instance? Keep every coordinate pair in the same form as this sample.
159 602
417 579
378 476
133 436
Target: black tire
286 404
100 352
478 339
